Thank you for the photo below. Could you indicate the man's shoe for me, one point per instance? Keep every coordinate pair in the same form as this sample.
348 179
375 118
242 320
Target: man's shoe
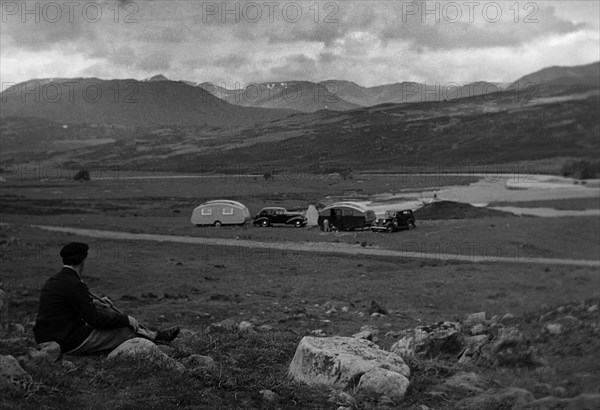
168 334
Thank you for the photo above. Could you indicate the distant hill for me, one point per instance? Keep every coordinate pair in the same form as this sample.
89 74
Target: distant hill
302 96
157 101
560 80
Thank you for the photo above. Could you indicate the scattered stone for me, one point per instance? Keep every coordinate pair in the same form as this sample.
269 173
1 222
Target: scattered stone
341 361
144 348
196 361
268 395
430 341
554 328
367 332
508 337
581 402
377 308
384 382
477 329
48 351
507 317
331 312
342 398
559 391
542 389
318 332
68 366
12 375
246 327
591 309
474 319
507 398
265 328
228 325
467 382
345 309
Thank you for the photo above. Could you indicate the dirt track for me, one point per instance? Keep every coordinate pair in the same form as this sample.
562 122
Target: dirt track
319 247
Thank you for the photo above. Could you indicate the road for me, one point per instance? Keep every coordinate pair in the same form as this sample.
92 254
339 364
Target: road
313 247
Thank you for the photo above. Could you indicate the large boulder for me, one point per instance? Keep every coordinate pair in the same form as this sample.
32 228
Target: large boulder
441 338
342 362
140 348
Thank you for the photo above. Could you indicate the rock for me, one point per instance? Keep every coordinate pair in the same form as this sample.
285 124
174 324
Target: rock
340 361
318 332
331 312
196 361
377 308
430 341
559 391
145 349
342 398
591 309
581 402
494 399
12 375
49 351
265 328
467 382
68 366
367 332
477 329
474 319
384 382
227 325
554 328
507 317
345 309
18 329
245 327
507 337
268 395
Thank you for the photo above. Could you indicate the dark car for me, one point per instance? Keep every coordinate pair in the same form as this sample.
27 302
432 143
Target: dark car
279 216
395 221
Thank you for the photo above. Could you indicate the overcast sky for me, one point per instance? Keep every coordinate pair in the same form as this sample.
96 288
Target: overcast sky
368 42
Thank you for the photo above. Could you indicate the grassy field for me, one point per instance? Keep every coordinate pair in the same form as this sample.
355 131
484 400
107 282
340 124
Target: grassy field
193 286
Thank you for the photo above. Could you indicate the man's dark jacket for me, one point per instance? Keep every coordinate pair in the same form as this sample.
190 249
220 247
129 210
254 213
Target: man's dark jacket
67 313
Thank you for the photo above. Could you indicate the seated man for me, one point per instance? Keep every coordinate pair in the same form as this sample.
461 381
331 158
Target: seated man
69 315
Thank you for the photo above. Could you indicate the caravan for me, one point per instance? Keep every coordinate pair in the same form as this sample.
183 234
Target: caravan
220 212
346 216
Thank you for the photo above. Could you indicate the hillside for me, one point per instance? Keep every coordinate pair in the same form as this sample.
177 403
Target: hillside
301 96
127 103
561 80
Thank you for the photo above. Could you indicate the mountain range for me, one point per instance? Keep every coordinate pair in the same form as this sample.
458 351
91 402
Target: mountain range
178 126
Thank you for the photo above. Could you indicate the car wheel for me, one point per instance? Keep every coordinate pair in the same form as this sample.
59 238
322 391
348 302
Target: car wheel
264 223
411 225
298 224
217 223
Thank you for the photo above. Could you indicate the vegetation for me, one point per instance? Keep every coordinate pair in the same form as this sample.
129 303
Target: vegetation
82 175
581 169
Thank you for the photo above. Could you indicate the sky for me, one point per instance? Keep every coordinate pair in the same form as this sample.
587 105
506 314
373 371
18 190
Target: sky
234 43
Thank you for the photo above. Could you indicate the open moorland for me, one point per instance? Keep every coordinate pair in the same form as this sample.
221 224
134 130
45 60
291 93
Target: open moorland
288 292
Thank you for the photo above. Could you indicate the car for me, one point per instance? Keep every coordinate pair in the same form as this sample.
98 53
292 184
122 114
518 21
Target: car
395 221
279 216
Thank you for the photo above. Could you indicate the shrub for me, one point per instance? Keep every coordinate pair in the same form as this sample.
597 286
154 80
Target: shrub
580 169
82 175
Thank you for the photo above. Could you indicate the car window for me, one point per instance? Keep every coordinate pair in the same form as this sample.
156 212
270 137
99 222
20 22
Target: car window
347 212
279 212
206 211
227 211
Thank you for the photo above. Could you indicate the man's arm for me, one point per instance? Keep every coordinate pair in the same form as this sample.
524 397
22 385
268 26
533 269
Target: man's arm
96 317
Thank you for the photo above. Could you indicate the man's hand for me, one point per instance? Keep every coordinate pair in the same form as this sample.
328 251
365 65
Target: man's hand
133 323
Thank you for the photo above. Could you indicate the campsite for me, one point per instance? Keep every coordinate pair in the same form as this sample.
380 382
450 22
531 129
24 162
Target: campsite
283 287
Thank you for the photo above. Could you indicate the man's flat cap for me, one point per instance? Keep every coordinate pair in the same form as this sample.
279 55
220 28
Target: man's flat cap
74 250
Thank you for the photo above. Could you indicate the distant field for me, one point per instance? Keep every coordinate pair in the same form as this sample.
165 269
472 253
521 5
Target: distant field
562 204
